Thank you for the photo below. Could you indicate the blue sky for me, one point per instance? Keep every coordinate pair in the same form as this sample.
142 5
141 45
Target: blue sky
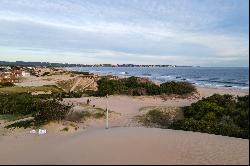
182 32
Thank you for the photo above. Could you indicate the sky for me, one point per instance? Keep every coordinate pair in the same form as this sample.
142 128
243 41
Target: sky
177 32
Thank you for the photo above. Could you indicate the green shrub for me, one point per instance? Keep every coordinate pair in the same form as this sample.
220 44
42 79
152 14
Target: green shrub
68 95
6 84
43 108
107 86
99 115
157 118
81 72
46 74
218 114
137 86
89 93
78 116
65 129
13 117
23 103
21 124
180 88
50 110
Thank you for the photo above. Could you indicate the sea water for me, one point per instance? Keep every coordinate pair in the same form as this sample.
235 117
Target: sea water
227 77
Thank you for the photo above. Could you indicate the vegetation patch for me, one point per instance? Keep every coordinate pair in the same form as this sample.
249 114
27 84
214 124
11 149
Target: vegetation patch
138 86
21 124
78 116
6 84
81 72
13 117
88 113
46 74
48 91
18 89
160 117
40 108
50 110
179 88
219 114
65 129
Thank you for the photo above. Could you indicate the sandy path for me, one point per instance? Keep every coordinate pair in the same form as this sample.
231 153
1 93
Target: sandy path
126 106
125 146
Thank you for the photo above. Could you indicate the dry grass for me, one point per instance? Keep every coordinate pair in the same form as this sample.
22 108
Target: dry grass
88 112
160 117
13 117
18 89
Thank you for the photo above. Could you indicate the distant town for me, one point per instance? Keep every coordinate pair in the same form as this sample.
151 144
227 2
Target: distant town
12 72
48 64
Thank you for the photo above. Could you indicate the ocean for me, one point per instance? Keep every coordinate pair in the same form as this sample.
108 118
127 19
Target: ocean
227 77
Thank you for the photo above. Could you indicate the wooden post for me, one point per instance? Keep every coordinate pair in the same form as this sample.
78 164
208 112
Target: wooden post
107 113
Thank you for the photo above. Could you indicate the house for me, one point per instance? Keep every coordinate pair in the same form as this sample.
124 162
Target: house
17 73
25 74
8 77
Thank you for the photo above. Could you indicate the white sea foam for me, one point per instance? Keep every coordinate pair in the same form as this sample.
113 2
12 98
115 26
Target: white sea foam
212 77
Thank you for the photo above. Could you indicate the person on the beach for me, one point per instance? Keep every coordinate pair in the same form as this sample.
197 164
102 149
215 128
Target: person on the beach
88 101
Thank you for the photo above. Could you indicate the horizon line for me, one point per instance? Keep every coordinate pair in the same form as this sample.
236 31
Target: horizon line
66 63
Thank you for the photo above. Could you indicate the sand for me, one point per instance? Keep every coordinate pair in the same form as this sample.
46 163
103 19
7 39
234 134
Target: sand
123 143
41 81
205 91
125 146
128 107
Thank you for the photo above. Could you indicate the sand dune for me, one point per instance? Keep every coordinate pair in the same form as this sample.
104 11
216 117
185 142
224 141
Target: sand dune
124 146
128 106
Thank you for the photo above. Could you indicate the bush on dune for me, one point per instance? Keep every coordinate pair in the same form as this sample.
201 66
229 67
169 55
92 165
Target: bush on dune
68 95
6 84
42 108
218 114
22 124
137 86
79 72
179 88
155 118
22 103
107 86
46 74
50 110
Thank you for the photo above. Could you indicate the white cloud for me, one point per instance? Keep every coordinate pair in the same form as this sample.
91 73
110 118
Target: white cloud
154 31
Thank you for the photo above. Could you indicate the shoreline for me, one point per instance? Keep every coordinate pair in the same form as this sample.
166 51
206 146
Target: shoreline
158 82
207 91
54 79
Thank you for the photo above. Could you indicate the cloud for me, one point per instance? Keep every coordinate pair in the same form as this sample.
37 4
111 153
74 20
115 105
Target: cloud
155 31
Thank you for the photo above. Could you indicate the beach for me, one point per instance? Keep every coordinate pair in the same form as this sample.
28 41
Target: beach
117 82
125 142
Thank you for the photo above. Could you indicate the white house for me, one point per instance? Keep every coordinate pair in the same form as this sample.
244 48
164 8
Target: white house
25 74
